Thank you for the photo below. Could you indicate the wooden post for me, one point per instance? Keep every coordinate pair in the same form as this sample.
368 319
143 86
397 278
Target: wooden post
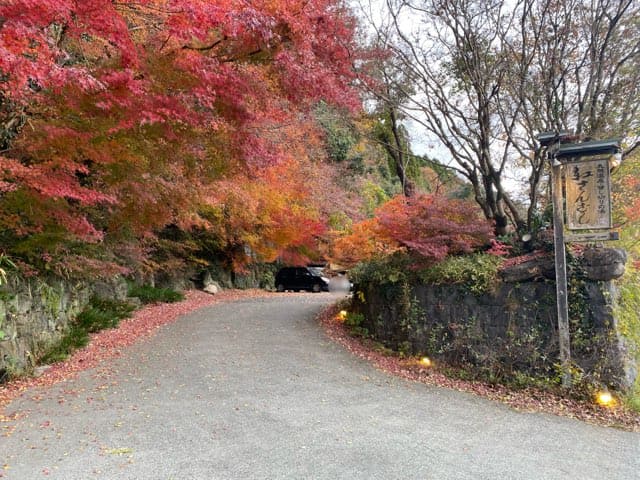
557 149
561 275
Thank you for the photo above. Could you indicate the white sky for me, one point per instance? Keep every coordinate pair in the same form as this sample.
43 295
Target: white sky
422 142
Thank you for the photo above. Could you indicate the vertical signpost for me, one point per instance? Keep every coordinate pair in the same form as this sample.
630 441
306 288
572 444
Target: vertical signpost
562 297
585 200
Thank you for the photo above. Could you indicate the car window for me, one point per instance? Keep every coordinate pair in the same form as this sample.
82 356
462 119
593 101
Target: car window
286 273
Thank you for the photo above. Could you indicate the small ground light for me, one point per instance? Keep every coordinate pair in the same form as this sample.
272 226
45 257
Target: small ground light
425 361
342 315
605 399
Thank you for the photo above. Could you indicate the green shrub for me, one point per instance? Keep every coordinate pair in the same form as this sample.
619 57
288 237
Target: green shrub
75 338
391 269
5 265
629 322
116 308
150 294
477 272
102 314
354 321
98 315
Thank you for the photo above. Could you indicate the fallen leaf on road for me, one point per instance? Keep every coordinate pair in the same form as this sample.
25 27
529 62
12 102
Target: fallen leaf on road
528 400
119 451
106 343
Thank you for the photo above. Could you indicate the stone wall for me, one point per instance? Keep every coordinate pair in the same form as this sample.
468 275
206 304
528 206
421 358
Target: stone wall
33 314
508 331
255 276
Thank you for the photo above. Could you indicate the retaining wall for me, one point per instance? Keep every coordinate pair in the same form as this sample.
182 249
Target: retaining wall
510 330
33 314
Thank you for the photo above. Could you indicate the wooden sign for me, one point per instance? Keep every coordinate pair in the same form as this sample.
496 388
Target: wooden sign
588 194
591 237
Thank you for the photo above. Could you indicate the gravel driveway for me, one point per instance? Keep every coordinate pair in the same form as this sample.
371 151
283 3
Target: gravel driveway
254 390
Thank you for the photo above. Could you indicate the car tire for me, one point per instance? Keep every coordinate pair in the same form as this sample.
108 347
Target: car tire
280 287
317 288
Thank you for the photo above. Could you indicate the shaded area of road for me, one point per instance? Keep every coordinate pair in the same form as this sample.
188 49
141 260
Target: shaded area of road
254 390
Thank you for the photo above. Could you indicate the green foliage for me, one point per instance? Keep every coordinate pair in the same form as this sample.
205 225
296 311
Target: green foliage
150 294
391 279
267 280
51 298
588 341
99 315
373 196
390 269
477 272
10 370
75 338
103 313
355 323
468 350
339 221
5 298
340 135
627 312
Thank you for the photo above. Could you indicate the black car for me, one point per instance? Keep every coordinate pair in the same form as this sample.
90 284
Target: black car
301 278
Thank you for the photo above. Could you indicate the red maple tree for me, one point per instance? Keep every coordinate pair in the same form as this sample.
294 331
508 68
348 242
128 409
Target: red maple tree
429 226
130 114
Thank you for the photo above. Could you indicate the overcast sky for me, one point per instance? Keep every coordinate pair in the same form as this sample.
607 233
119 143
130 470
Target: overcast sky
423 143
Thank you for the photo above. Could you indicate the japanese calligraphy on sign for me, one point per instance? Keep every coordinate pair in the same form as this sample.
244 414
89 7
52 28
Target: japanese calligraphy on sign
588 195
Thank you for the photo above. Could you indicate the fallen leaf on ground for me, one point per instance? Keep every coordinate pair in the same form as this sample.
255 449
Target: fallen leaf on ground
106 344
119 451
529 400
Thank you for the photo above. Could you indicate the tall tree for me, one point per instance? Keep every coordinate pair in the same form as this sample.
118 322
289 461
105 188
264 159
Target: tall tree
137 109
488 76
394 138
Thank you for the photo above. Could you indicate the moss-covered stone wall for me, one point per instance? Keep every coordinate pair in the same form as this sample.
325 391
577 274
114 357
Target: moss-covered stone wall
34 314
509 330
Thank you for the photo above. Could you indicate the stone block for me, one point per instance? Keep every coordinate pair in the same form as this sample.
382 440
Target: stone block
115 288
604 264
536 268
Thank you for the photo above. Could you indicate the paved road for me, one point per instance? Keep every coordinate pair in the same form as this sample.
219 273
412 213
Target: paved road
254 390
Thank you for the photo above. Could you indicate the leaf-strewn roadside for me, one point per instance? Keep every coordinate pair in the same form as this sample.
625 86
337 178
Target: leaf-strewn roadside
108 343
528 400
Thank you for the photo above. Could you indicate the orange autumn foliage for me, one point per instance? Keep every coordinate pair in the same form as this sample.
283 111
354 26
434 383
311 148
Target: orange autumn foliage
365 241
427 226
161 114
